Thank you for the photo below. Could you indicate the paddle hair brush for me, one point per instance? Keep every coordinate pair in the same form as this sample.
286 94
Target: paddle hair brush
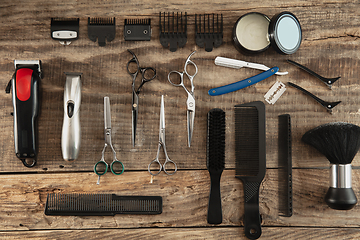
215 162
339 142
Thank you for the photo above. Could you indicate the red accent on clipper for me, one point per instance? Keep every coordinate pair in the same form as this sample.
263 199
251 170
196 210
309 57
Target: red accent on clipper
23 83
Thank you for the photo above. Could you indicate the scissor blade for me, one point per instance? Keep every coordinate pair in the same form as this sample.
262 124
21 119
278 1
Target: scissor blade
190 125
162 114
107 113
135 111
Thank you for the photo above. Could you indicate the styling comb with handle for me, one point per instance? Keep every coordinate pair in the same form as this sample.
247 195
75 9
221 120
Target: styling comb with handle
215 162
250 152
82 204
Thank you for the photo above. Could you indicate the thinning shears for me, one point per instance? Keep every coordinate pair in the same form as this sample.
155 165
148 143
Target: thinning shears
190 102
147 74
107 120
162 144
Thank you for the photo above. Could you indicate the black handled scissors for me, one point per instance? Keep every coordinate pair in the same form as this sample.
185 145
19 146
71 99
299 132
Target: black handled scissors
145 77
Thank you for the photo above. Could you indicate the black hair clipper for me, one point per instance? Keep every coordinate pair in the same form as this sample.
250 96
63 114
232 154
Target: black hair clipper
25 97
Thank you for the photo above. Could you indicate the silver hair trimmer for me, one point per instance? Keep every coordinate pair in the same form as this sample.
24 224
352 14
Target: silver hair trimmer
71 130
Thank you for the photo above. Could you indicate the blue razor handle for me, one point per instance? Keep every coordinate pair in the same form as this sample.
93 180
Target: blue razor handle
243 83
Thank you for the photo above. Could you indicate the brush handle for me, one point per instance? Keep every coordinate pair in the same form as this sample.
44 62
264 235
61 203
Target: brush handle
252 218
214 209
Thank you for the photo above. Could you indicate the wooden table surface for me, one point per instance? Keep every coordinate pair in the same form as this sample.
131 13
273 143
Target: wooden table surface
330 47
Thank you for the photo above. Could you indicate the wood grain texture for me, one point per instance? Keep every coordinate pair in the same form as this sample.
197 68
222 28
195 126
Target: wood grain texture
186 233
330 40
185 199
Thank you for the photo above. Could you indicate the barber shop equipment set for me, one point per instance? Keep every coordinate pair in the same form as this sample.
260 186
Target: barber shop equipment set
253 33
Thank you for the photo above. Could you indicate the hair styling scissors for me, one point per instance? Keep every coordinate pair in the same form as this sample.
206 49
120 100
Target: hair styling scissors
107 120
190 102
162 144
133 72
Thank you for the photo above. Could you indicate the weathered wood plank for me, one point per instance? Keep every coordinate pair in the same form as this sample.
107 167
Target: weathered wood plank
187 233
185 197
329 47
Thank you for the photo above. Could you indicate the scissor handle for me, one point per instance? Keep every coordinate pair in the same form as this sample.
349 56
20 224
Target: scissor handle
185 69
106 167
156 160
112 167
168 160
152 76
181 84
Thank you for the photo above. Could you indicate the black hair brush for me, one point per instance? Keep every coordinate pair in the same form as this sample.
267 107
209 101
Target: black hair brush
339 142
215 162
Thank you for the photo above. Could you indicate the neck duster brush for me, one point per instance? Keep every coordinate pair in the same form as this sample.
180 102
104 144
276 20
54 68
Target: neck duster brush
339 142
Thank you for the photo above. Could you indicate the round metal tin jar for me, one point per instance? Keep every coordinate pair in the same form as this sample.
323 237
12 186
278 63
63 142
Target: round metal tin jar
254 32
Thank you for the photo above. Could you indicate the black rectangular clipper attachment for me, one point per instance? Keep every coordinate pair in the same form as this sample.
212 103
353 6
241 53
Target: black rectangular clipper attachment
208 31
101 29
81 204
137 29
64 30
173 30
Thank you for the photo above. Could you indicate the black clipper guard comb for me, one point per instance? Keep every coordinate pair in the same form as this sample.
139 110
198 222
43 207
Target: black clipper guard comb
101 29
208 32
25 97
174 33
64 30
137 29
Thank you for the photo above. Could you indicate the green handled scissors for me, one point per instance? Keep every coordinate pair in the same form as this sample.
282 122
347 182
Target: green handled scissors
107 120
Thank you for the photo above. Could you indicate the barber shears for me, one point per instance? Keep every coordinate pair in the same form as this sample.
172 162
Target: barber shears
147 74
190 102
107 120
162 144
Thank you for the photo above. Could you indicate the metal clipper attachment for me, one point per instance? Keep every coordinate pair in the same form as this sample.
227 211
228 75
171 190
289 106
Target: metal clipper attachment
25 97
137 29
64 30
173 30
101 29
208 32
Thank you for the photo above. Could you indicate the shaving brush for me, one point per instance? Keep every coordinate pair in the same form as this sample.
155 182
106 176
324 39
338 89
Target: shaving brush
339 142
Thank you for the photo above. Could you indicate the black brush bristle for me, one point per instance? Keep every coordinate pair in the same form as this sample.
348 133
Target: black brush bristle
216 140
338 141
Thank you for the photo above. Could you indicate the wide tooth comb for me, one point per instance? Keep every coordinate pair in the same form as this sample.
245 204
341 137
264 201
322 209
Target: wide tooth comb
250 152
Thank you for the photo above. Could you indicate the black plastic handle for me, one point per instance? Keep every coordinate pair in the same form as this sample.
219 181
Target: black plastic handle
214 209
252 218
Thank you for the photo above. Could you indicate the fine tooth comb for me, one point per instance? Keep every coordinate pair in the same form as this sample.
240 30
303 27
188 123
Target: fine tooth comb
64 30
250 153
137 29
208 32
81 204
285 166
101 29
215 162
328 81
173 30
328 105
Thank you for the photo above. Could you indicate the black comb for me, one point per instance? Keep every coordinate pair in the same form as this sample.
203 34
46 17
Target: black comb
208 32
285 166
250 152
101 29
215 162
80 204
174 33
137 29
